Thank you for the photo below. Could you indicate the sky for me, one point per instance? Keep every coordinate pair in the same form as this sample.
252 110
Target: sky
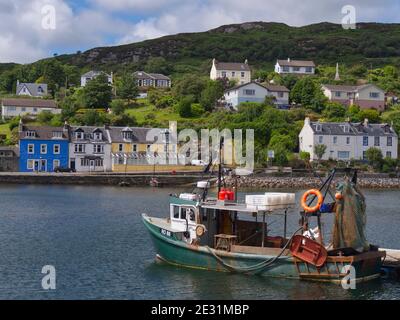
35 29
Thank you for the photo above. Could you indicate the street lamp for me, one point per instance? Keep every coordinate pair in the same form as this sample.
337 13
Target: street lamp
167 134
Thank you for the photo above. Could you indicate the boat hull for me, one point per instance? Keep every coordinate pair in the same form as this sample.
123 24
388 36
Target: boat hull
174 251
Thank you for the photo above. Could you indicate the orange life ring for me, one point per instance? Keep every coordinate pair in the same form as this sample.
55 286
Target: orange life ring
315 208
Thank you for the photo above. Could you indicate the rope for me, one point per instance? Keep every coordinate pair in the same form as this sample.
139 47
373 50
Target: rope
254 268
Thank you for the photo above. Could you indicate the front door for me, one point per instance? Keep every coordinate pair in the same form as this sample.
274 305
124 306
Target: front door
36 165
43 165
72 164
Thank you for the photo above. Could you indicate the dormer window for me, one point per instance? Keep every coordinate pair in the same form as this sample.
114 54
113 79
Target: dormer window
57 134
127 135
318 127
98 136
30 134
40 89
79 135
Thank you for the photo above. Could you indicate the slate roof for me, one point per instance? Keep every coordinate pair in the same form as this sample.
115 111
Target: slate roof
271 87
346 88
138 134
88 133
268 87
296 63
153 76
43 132
33 88
36 103
355 129
233 66
93 74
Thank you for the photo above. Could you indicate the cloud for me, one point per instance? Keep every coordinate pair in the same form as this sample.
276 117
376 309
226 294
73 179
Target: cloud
81 25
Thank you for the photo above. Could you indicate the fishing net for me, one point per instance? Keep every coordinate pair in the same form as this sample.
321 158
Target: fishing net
350 218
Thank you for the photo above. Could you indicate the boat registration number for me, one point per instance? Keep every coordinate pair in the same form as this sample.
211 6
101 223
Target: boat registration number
166 233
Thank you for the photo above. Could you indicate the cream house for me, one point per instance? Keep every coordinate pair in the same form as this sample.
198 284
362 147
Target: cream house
346 140
240 72
366 96
290 66
11 108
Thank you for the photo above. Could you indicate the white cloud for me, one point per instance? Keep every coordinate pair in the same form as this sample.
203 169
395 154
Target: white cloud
105 22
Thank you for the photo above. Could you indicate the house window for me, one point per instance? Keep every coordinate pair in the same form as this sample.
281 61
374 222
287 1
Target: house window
40 90
343 154
318 128
389 141
148 148
334 140
97 136
280 94
23 109
43 148
296 69
12 108
30 134
365 141
320 139
223 74
99 162
120 147
347 140
338 94
249 92
56 149
29 164
308 69
35 109
127 135
388 154
98 148
285 69
134 148
374 95
233 74
31 149
79 148
56 163
376 142
79 135
242 74
57 134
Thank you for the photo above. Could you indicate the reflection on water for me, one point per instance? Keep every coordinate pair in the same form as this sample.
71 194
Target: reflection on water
95 239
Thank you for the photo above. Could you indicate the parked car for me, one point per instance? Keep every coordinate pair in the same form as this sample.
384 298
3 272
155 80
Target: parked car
198 163
61 169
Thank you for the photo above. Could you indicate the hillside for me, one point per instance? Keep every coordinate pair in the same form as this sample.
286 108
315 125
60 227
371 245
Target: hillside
260 42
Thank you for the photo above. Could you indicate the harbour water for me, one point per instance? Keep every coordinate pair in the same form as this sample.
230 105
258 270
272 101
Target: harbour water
94 238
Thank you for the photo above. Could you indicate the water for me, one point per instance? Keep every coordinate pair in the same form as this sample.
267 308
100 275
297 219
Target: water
95 239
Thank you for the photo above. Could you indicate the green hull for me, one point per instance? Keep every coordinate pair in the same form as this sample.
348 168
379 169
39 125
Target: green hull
174 251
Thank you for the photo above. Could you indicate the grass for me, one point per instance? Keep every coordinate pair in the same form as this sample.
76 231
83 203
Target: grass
5 130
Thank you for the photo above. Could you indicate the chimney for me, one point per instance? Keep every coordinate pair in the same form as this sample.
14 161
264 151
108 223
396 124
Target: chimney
20 126
214 61
66 125
365 122
307 121
17 82
288 59
246 61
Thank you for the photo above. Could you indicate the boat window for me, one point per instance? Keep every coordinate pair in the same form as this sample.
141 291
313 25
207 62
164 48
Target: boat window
183 214
176 212
191 214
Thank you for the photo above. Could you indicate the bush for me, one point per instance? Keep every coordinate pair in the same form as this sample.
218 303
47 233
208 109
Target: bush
118 107
184 107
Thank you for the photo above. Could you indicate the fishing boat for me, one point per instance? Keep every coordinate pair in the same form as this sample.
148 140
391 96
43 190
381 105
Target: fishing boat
222 234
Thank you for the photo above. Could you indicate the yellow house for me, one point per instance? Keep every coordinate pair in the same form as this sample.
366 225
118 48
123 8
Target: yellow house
137 149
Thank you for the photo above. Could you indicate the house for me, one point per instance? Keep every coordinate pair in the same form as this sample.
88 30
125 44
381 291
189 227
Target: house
256 92
18 107
301 67
155 80
367 96
239 72
134 148
31 89
43 148
89 149
9 159
85 78
346 140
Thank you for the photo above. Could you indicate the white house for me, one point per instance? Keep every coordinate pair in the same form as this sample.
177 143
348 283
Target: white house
31 89
295 67
85 78
90 149
366 96
240 72
346 140
255 92
18 107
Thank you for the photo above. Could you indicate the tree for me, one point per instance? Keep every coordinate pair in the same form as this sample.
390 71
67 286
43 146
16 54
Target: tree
320 150
97 93
308 94
305 156
127 87
158 65
93 118
374 157
185 106
45 117
334 111
189 84
213 91
118 107
371 114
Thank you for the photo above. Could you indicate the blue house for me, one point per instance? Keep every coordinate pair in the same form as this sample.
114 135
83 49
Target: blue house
43 148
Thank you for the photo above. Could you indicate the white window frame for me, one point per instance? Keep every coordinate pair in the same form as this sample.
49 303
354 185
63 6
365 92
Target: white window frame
32 164
54 163
54 149
31 145
41 149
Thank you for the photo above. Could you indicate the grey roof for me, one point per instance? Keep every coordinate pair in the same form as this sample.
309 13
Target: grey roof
268 87
36 103
347 88
93 74
88 133
43 132
138 134
232 66
354 129
276 88
152 76
296 63
33 88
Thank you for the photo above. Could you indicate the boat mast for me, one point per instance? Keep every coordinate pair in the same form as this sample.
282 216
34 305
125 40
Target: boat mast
221 143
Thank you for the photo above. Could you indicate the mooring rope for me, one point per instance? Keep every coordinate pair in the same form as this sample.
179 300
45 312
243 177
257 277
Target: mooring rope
256 267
